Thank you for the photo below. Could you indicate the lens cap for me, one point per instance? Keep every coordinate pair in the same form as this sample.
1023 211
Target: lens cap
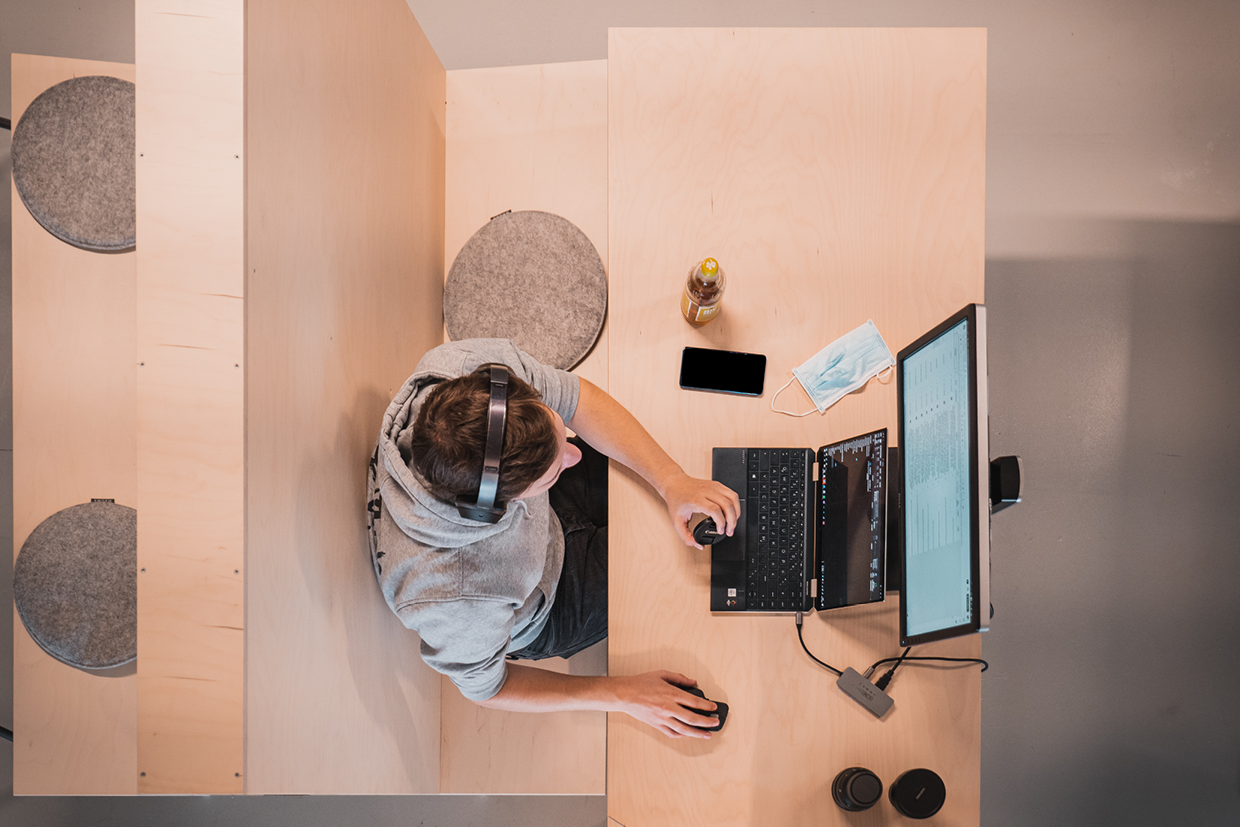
918 793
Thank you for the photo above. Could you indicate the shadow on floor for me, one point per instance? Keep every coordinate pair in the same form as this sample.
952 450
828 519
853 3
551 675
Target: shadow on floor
1113 683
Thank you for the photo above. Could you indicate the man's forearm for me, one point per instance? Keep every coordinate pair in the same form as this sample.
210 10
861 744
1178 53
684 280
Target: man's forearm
654 698
528 689
604 423
608 426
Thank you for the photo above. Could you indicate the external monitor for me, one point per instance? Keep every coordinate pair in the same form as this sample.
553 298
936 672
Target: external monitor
942 421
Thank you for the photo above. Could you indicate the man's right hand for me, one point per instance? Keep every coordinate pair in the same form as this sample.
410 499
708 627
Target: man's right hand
655 698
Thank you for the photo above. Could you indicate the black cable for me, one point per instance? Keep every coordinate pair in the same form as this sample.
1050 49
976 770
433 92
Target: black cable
984 664
5 123
6 733
882 682
870 671
811 654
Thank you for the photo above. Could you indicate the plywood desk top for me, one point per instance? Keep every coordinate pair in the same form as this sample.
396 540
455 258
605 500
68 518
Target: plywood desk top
838 176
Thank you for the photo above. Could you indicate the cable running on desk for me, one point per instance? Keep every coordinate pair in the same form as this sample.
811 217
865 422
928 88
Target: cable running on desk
886 678
811 654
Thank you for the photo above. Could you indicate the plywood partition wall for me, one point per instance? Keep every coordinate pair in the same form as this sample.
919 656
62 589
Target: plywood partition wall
73 440
345 195
528 138
838 175
191 428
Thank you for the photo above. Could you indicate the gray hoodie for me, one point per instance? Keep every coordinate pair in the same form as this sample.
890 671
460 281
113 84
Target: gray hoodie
472 591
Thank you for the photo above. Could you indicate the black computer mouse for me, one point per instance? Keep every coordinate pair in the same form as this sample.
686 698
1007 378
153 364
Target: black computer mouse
707 533
721 711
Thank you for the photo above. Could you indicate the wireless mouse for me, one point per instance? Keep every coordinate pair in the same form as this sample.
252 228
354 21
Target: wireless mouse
707 533
721 713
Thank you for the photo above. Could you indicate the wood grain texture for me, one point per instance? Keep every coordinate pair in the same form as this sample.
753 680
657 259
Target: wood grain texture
74 432
838 176
190 400
528 138
345 193
488 751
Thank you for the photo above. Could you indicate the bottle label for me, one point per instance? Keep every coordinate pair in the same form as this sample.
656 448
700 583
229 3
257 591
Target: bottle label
694 312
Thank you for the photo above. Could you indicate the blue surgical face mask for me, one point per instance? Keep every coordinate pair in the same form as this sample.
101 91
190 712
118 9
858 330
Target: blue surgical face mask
841 367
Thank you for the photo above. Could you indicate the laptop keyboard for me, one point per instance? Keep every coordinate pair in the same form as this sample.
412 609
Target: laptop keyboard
776 481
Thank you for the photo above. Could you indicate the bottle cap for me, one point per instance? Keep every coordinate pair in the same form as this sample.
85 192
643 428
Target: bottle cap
710 268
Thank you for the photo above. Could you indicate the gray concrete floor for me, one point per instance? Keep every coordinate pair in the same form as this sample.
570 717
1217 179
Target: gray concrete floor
1113 284
1112 682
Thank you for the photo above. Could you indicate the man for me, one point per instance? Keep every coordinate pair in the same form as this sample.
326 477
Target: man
533 585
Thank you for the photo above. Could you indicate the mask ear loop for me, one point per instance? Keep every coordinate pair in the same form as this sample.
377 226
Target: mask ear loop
879 375
789 413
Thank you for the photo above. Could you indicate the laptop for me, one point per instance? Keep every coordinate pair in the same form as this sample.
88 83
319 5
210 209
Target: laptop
811 531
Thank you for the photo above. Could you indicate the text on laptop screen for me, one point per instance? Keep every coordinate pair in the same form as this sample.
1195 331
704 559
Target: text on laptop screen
937 587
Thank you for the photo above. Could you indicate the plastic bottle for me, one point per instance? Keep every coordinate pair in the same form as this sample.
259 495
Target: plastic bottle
703 292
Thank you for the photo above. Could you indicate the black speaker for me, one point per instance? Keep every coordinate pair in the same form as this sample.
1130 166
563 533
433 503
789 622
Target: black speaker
856 788
918 793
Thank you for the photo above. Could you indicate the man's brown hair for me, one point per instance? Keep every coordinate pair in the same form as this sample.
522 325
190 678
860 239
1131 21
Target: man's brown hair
450 435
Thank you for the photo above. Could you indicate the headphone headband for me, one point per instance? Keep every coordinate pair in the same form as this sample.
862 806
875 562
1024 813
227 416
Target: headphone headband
486 510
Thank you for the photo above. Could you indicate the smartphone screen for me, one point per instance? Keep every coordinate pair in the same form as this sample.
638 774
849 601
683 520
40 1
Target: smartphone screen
724 371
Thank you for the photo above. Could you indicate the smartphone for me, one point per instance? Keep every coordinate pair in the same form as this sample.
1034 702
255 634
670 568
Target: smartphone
722 371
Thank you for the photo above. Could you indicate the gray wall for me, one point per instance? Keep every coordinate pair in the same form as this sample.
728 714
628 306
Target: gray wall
1113 283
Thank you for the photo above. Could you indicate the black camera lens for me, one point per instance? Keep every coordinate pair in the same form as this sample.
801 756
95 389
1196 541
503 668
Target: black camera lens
856 788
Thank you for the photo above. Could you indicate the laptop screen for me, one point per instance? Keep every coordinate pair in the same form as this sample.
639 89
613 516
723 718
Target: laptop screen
852 521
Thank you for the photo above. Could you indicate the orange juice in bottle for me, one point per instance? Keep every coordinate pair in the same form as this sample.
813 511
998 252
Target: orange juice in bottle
703 292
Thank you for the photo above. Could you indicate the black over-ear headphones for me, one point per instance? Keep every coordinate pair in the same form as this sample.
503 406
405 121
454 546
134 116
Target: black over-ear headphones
486 509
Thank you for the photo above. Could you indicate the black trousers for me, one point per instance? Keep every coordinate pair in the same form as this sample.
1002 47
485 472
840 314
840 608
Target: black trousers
579 614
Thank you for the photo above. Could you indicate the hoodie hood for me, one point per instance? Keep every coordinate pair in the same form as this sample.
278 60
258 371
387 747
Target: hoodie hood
420 514
404 493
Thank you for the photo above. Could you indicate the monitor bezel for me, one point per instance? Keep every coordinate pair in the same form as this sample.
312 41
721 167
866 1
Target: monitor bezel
979 463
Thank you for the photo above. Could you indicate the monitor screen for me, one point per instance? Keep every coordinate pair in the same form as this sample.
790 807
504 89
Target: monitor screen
943 461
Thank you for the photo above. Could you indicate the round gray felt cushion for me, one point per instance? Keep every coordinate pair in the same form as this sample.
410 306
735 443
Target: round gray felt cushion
531 277
73 162
75 584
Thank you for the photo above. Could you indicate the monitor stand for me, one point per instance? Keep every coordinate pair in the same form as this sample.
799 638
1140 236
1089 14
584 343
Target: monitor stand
1004 483
895 522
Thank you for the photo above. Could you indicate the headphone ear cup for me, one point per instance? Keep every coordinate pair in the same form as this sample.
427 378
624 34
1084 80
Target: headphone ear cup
477 513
